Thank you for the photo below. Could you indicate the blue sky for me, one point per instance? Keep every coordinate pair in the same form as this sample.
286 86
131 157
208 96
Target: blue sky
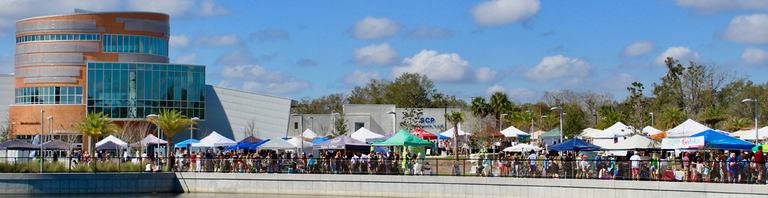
470 48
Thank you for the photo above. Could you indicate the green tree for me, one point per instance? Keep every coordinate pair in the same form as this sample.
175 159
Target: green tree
712 116
95 125
735 124
670 117
574 121
479 108
610 117
411 118
340 126
171 122
455 117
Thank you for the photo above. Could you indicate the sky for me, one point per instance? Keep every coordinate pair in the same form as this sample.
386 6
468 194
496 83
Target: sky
468 48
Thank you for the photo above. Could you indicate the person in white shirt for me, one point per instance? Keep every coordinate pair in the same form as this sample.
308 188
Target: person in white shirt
355 164
635 166
148 167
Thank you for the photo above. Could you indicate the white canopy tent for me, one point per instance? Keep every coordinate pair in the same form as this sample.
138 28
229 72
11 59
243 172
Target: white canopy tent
511 132
617 130
762 134
522 148
587 133
449 133
113 139
738 134
150 140
309 134
366 135
214 140
297 143
277 144
687 128
634 142
651 131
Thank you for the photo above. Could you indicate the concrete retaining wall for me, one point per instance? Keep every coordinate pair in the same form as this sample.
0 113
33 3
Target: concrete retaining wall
426 186
71 183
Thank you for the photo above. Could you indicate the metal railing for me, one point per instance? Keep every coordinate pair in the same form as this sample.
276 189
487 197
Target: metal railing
606 169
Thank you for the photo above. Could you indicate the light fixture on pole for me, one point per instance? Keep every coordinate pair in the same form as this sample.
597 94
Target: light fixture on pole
302 130
501 121
652 122
189 148
313 123
50 128
561 122
333 121
529 111
158 131
394 123
755 101
42 121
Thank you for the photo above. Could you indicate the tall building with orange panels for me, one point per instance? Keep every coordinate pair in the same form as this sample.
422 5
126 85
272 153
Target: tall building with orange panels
111 62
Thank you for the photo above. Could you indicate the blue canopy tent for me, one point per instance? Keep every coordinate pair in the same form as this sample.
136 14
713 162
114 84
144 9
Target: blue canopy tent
319 140
714 139
574 145
285 138
242 145
256 146
441 137
186 143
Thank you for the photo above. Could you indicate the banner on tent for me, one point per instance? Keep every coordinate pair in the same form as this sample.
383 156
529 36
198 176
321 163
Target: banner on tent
682 143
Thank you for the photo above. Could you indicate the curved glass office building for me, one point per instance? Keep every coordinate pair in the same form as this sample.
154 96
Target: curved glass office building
111 62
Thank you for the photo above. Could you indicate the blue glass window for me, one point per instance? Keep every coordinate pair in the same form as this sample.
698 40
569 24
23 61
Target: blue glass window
135 44
49 95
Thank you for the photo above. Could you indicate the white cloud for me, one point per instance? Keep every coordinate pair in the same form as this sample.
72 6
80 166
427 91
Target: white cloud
188 59
358 77
443 68
374 28
715 6
748 29
754 56
209 8
681 53
423 31
553 67
227 39
494 89
381 55
259 79
638 48
271 35
14 10
502 12
180 41
236 57
174 8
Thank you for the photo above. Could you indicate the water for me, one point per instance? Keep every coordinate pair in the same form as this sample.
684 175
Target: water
170 195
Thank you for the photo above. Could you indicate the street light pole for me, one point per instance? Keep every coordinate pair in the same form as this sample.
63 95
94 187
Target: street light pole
561 122
756 132
652 122
50 128
313 123
42 121
529 111
394 122
189 147
302 130
158 133
501 121
333 121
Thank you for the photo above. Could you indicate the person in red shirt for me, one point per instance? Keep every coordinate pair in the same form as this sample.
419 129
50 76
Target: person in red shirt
760 163
192 160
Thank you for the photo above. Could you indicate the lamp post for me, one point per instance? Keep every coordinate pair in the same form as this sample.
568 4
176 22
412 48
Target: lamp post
42 121
501 121
189 147
50 128
313 124
561 122
394 122
756 132
529 111
302 129
158 132
652 122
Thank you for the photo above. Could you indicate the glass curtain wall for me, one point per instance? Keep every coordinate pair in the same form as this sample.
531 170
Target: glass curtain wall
134 90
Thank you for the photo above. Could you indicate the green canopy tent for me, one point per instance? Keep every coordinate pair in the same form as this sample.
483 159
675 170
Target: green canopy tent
403 138
551 134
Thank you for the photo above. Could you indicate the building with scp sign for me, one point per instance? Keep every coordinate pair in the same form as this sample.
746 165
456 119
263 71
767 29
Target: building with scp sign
118 63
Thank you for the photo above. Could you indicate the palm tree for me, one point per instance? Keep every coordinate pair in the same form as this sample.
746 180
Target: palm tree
712 116
171 122
479 108
95 125
670 117
455 117
610 117
734 124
